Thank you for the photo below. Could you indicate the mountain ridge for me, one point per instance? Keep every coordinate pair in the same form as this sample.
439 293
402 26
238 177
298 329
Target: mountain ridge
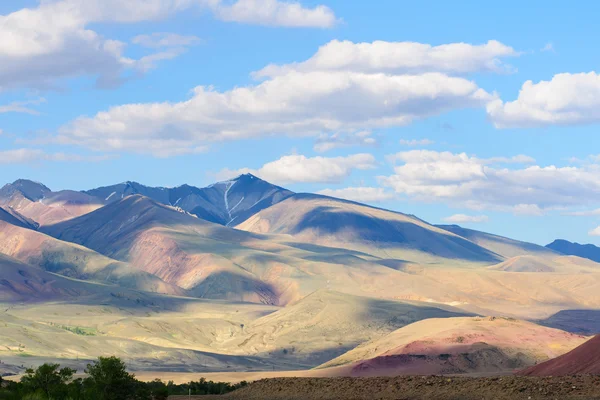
221 202
566 247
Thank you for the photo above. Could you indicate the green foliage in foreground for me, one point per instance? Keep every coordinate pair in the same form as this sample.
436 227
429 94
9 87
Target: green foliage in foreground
107 379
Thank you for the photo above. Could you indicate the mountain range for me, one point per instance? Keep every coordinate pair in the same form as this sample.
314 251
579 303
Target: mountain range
267 278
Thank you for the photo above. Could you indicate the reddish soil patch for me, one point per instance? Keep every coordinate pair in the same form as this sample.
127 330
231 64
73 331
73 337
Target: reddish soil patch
584 359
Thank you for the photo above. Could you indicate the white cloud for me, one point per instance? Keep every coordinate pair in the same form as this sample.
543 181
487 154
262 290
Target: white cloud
528 209
53 41
586 213
519 159
22 107
276 13
359 194
548 47
400 58
301 169
292 104
164 40
167 45
479 183
26 156
326 142
466 219
595 232
567 99
416 142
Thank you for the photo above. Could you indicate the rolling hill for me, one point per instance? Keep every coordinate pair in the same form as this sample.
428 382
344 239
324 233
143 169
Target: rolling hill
20 282
333 222
71 260
561 264
456 345
325 324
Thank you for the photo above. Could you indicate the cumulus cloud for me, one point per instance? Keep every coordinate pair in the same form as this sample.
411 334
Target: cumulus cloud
567 99
359 194
53 41
301 169
595 232
26 156
276 13
466 219
400 58
480 183
416 142
326 142
294 104
338 95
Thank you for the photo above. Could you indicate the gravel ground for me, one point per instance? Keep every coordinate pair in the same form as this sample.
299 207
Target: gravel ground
417 388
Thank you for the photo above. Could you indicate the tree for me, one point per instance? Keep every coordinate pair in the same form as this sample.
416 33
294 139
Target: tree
158 390
48 379
108 379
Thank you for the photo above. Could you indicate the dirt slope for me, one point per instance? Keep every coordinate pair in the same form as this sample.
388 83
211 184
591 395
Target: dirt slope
584 359
75 261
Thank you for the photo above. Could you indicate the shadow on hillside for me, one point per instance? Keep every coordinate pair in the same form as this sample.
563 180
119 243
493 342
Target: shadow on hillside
585 322
241 287
391 233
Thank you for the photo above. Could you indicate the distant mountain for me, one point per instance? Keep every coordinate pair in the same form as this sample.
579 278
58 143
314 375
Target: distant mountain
30 190
38 203
225 203
238 199
213 261
328 221
176 246
498 244
588 251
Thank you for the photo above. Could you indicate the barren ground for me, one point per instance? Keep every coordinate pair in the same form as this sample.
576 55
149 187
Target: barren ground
417 388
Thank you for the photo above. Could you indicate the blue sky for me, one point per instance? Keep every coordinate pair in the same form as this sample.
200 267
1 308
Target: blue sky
381 114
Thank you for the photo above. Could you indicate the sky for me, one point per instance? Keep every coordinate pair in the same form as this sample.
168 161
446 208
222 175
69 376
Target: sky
457 112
